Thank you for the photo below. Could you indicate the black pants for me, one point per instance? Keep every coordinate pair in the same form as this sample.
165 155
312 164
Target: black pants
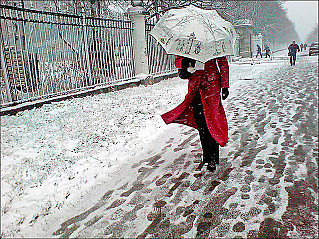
209 145
293 59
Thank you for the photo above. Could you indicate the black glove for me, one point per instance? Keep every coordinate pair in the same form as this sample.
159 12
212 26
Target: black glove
184 74
187 62
225 93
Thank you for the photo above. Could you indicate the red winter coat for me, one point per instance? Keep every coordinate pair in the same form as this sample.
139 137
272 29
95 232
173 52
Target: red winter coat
209 83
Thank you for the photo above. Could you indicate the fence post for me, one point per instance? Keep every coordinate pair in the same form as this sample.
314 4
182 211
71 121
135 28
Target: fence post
137 15
236 47
4 67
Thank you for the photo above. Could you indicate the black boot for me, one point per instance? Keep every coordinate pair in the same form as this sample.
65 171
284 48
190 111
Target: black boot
211 166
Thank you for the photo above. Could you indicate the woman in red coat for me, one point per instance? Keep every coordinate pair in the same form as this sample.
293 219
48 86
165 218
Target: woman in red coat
202 108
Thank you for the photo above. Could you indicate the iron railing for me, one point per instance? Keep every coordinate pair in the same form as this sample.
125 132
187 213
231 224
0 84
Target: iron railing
158 60
46 54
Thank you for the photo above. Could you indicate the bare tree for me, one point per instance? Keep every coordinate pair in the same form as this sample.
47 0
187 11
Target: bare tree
269 17
313 35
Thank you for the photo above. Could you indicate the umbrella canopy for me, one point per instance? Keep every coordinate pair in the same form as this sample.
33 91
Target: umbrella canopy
195 33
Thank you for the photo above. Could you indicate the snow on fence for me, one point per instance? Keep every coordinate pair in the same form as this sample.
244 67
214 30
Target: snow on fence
46 54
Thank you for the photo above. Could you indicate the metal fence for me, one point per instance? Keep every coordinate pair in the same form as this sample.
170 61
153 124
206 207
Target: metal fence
46 54
158 60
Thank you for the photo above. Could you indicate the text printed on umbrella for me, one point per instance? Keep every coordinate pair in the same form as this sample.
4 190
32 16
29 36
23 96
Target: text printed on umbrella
189 45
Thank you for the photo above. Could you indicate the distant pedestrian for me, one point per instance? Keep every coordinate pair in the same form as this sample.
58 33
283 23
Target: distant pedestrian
293 48
259 51
305 46
202 108
301 46
267 49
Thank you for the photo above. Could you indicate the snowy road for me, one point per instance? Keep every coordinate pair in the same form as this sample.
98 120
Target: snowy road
267 184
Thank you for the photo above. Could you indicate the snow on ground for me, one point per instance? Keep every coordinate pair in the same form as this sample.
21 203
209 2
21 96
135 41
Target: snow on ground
52 155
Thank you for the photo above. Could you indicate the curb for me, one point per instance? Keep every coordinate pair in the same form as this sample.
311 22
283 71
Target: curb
14 109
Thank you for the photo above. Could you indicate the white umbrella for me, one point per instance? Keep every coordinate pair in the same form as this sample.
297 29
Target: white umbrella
195 33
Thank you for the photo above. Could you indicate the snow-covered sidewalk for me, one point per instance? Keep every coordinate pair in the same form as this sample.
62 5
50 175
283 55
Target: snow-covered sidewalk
107 166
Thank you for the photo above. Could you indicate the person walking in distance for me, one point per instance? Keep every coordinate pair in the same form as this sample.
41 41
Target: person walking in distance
293 48
259 51
267 49
202 108
301 46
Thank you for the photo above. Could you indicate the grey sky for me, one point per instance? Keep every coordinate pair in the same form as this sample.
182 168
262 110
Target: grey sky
304 14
